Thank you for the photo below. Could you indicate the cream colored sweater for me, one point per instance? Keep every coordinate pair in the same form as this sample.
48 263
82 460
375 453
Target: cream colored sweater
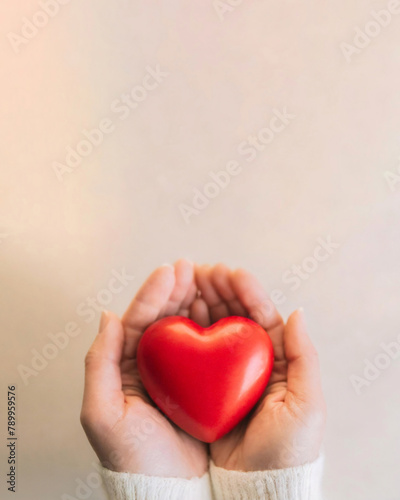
299 483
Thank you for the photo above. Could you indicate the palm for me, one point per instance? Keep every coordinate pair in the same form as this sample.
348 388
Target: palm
162 445
225 294
164 448
242 449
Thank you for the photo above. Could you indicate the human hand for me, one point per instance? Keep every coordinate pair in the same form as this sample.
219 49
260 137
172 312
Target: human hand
285 429
125 428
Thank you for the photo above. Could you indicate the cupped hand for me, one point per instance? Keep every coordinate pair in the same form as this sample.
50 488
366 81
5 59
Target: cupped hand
125 428
285 429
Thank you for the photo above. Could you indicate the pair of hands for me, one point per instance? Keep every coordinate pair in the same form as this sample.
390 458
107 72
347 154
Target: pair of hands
127 431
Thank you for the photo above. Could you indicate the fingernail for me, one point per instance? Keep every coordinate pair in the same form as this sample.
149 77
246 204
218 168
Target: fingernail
167 264
300 312
105 316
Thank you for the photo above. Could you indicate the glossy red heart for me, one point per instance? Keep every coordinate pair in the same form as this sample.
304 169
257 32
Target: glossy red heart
205 379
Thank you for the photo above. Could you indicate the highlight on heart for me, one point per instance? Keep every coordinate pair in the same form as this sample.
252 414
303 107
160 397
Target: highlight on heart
212 377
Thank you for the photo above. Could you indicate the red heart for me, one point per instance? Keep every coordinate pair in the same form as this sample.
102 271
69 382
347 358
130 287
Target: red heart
205 379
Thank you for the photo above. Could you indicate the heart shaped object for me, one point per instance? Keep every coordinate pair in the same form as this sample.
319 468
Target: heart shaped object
205 379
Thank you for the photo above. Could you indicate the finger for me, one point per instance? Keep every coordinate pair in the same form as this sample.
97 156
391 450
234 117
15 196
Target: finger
199 313
216 305
103 386
147 306
184 278
184 309
220 278
303 377
260 308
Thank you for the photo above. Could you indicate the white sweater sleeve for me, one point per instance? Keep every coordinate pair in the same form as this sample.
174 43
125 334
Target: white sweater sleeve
298 483
126 486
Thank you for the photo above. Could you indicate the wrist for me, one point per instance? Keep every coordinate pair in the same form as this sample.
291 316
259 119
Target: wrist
285 458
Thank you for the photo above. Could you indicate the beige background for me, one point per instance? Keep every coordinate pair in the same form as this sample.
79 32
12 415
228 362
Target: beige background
323 175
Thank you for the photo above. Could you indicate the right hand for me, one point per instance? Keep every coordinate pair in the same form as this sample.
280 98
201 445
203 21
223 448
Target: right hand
285 429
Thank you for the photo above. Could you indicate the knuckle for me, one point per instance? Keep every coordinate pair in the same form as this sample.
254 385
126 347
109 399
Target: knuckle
89 358
93 425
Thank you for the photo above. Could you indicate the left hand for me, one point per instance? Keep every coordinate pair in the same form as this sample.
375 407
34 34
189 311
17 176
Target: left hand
285 429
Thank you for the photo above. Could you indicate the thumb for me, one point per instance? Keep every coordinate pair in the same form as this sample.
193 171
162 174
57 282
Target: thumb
304 380
103 385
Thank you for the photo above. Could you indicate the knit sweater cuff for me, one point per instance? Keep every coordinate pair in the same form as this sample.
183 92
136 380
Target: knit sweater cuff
126 486
297 483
